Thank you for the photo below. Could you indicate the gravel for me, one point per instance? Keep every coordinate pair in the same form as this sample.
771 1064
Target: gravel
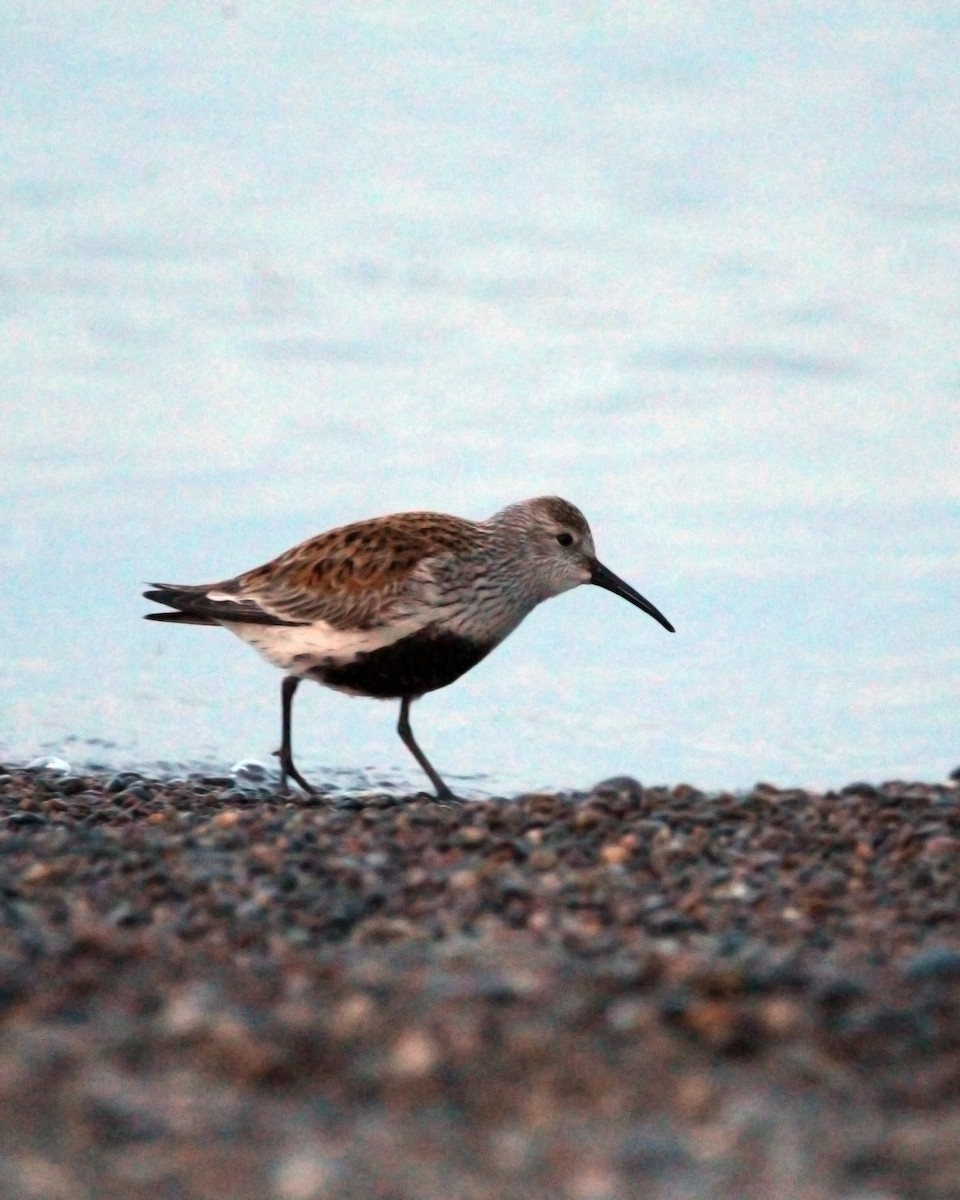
211 990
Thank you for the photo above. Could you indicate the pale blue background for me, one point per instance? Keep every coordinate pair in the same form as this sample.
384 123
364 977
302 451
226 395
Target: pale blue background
696 267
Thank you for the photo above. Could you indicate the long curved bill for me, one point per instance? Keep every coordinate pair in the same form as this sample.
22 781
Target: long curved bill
613 583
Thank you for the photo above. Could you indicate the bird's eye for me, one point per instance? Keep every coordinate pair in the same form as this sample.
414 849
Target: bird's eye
565 539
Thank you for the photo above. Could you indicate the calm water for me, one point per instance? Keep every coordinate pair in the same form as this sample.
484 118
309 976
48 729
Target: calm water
697 270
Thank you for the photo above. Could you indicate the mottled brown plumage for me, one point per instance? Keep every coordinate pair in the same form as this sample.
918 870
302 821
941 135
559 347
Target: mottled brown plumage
401 605
350 576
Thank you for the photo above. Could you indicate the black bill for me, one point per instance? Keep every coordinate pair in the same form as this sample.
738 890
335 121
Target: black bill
613 583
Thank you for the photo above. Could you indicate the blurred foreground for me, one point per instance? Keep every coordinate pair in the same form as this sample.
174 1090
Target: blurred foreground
207 990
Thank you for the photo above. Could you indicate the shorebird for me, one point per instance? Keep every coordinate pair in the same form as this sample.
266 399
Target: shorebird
399 606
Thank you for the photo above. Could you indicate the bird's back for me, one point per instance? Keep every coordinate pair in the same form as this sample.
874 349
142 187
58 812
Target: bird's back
347 575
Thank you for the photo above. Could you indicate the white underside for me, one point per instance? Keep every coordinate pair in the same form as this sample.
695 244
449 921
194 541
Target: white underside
297 649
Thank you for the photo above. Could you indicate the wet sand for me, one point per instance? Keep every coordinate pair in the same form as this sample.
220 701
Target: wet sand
209 990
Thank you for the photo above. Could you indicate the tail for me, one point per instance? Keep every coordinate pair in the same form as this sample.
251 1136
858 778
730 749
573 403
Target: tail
186 600
208 604
179 618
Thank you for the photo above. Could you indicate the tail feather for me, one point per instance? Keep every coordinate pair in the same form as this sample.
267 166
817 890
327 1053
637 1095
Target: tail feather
179 618
195 607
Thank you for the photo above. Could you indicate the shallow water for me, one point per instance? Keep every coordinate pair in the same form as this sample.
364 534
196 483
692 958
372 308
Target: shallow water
264 273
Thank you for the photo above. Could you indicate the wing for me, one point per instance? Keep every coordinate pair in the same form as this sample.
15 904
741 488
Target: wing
357 577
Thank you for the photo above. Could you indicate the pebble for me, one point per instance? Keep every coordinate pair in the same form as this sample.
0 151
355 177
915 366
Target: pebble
306 1175
413 1055
939 962
631 990
253 771
49 763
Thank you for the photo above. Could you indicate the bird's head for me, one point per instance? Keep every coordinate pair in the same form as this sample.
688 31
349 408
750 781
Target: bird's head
557 538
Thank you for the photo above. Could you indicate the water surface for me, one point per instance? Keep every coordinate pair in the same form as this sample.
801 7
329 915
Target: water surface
266 271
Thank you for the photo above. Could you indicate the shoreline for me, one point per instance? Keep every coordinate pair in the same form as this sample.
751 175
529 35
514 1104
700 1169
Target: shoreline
208 989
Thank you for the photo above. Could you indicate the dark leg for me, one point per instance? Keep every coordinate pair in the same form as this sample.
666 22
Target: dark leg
406 736
285 753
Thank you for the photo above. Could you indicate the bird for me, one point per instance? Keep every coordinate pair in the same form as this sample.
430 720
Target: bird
400 605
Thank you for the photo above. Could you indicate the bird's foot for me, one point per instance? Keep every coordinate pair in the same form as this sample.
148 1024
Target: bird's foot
288 769
447 799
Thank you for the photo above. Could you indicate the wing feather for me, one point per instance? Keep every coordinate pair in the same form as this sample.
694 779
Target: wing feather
357 577
208 605
360 576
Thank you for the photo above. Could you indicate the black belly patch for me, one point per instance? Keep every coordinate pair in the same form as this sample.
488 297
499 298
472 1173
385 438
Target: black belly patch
420 663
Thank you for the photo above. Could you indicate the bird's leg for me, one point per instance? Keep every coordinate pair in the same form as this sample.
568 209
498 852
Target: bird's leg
285 753
406 736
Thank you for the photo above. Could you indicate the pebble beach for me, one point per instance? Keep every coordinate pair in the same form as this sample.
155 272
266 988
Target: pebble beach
210 990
